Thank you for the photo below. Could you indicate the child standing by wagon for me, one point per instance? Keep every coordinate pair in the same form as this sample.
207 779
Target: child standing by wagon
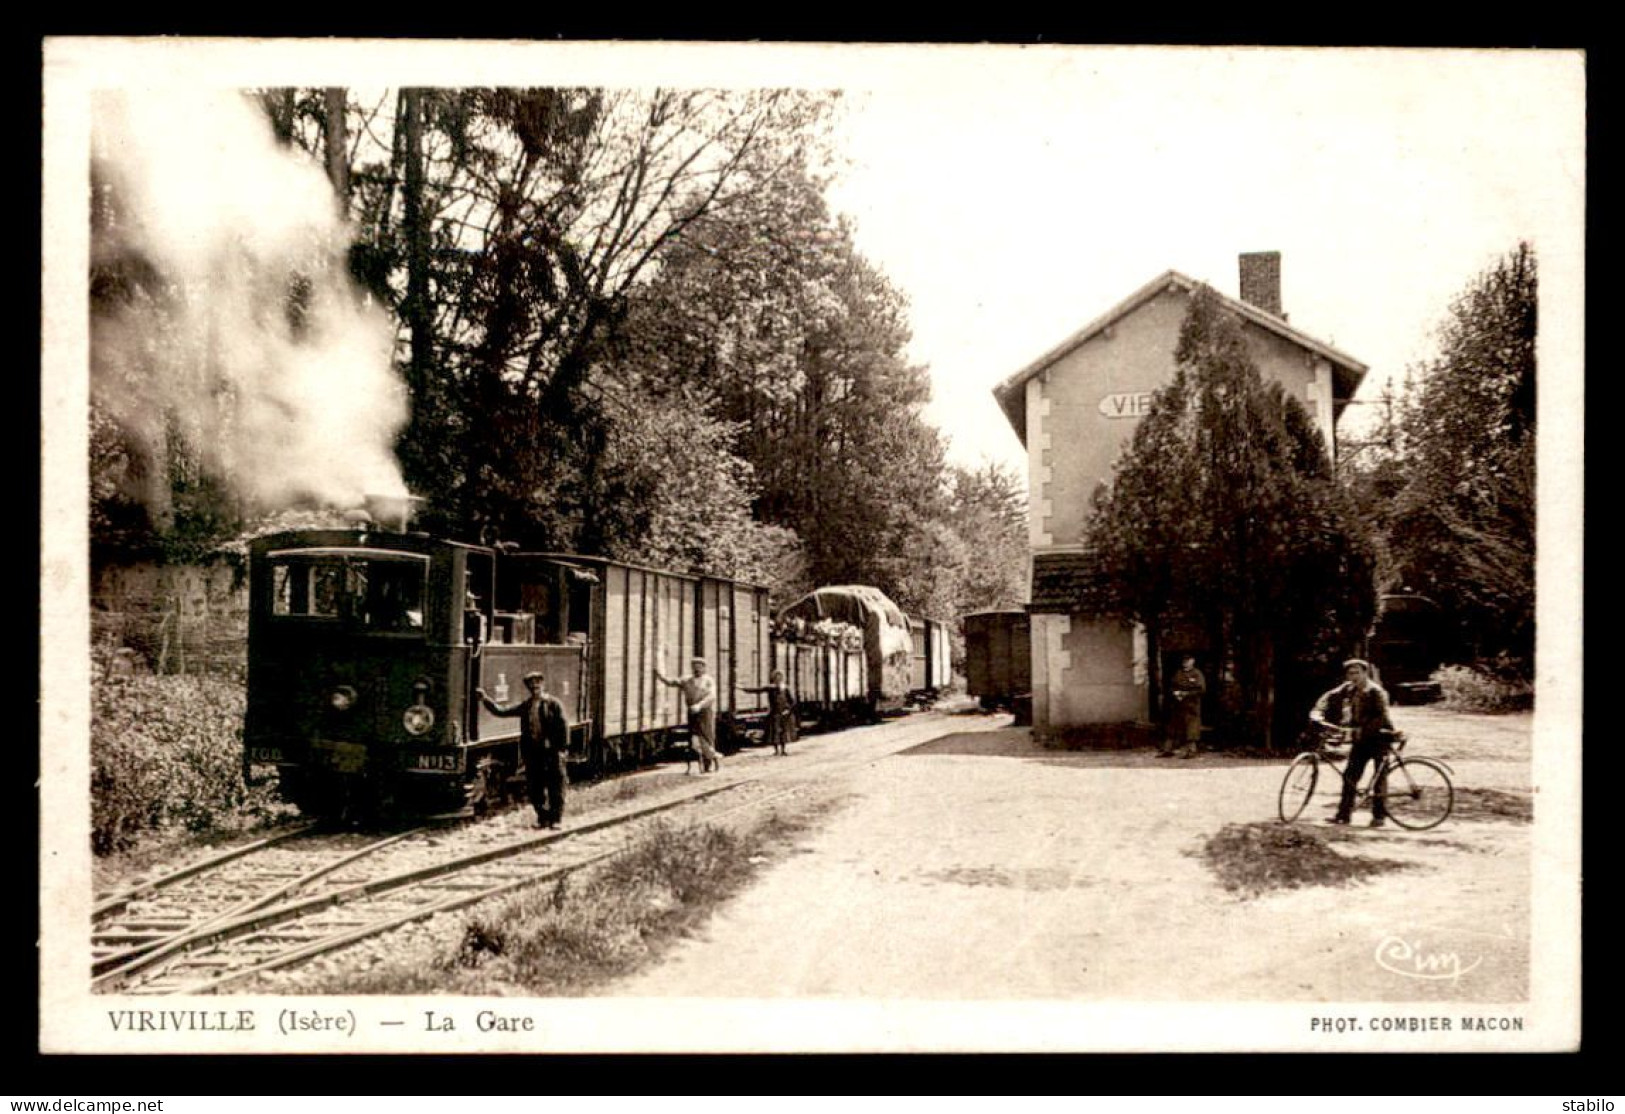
781 712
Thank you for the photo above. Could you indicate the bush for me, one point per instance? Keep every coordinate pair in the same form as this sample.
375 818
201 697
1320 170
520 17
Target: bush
167 752
1483 688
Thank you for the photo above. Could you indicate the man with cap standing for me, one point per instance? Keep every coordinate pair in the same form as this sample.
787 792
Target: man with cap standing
1185 714
1359 708
544 746
700 691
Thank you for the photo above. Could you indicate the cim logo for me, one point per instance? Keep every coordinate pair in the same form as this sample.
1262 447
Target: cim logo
1133 404
1402 957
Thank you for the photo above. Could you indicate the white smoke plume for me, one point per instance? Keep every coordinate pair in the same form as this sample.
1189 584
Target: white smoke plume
224 224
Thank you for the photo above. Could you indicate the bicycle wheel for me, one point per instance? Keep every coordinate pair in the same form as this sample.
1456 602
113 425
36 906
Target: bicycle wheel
1298 786
1417 793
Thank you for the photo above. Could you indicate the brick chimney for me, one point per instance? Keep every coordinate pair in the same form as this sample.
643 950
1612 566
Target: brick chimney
1261 280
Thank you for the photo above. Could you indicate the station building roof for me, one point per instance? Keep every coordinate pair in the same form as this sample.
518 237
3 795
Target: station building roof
1061 581
1011 393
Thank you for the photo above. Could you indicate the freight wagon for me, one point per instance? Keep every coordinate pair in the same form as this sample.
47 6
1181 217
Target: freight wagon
930 662
998 657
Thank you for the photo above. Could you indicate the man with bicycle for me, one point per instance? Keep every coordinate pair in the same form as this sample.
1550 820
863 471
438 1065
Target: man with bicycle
1359 709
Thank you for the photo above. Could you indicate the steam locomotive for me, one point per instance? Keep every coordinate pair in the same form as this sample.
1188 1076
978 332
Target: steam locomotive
366 647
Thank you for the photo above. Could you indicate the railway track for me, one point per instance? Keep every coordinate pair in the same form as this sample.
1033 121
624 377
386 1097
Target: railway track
138 926
407 876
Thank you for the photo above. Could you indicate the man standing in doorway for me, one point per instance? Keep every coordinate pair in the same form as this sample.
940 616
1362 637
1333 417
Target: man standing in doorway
1185 716
700 692
544 747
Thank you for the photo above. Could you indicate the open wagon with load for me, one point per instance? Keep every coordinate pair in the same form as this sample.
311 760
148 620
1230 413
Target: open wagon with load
826 669
887 640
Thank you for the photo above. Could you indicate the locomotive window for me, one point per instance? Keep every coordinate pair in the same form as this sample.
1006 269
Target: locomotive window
308 588
580 607
394 595
380 595
290 589
327 594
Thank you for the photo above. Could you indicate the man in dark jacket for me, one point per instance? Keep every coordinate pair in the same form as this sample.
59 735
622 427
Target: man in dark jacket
1185 712
1359 708
544 744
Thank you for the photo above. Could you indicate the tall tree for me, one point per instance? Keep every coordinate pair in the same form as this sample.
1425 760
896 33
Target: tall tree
987 510
1463 525
673 493
801 342
1224 511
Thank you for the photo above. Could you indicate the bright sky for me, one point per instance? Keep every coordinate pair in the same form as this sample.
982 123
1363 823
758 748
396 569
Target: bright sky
1015 193
1017 197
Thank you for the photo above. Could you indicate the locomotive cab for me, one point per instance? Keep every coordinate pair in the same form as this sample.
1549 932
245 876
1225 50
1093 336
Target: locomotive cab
351 664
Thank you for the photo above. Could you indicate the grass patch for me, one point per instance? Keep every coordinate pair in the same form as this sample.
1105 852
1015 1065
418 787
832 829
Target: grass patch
584 930
1253 859
1493 804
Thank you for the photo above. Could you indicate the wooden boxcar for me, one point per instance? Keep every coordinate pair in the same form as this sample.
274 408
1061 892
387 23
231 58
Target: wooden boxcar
632 621
736 641
931 665
998 657
366 648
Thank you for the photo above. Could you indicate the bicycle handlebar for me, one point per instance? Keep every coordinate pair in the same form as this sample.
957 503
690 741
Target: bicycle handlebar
1332 735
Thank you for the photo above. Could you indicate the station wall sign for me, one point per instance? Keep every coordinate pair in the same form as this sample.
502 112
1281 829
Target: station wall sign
1131 404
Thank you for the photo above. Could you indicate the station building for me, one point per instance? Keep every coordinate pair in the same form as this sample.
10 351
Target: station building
1075 409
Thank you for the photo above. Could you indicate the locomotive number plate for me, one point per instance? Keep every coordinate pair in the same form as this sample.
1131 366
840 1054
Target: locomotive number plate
265 754
439 763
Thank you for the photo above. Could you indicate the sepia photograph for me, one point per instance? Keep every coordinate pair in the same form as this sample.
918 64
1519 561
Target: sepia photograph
763 547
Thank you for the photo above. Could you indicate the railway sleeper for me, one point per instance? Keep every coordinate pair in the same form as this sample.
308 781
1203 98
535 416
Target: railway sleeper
122 942
126 927
457 886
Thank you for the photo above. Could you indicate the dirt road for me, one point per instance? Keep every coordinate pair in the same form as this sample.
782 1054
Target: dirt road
979 865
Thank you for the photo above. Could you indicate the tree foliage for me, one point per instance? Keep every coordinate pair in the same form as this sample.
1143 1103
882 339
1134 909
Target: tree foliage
628 323
801 341
1224 513
987 516
673 494
1462 528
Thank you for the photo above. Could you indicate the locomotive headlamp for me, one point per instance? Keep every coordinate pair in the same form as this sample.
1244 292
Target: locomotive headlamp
418 719
342 698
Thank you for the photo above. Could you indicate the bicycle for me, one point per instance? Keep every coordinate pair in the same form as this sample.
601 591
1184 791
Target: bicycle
1416 792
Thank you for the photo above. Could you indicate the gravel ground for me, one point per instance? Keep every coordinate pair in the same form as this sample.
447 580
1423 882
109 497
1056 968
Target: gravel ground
420 943
982 866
